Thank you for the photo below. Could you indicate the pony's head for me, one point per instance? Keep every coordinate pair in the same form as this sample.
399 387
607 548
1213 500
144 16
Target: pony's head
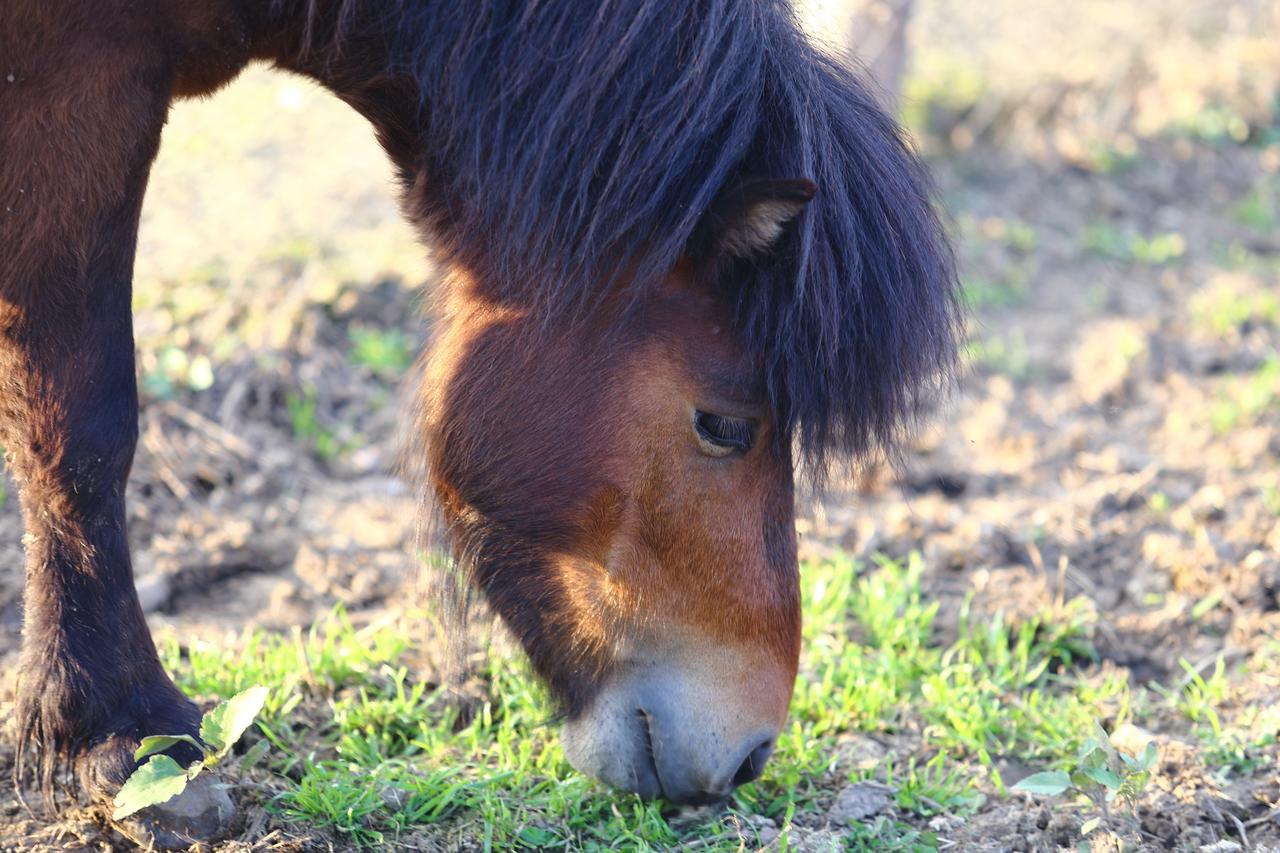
686 254
622 493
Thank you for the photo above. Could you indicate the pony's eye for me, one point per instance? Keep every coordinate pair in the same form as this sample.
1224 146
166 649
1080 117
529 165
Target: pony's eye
722 434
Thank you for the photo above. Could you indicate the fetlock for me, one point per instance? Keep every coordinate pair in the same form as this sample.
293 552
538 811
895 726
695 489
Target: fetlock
93 727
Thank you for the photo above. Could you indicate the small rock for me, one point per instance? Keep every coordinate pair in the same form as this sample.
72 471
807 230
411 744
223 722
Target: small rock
859 802
756 829
202 812
1224 846
819 841
1208 504
945 823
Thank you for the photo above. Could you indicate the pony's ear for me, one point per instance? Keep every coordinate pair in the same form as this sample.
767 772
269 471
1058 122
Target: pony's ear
747 218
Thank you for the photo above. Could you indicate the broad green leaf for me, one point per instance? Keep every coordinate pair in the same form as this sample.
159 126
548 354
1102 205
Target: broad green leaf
1148 759
158 780
1090 825
1091 754
1104 777
1050 783
1104 740
224 725
159 743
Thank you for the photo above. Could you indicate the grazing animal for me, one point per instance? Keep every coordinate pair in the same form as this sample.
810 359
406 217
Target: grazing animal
684 256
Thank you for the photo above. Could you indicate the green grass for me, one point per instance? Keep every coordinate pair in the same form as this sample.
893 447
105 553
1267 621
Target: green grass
1270 499
1007 354
1108 240
302 408
175 369
1111 158
1258 209
940 85
1224 309
1009 282
1011 288
364 755
387 352
1216 124
1247 397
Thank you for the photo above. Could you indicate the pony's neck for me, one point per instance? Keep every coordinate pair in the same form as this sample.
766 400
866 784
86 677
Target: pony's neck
344 45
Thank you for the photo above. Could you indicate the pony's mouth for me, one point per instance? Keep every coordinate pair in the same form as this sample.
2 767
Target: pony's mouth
646 730
685 801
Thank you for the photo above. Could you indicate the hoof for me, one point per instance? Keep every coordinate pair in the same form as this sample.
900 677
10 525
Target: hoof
201 813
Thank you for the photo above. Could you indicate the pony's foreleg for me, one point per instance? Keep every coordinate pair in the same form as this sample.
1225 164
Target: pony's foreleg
75 149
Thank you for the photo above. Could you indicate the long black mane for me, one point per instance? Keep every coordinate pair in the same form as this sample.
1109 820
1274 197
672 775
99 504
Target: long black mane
566 140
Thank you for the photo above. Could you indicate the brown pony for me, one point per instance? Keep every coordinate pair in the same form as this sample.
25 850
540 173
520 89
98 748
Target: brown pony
683 251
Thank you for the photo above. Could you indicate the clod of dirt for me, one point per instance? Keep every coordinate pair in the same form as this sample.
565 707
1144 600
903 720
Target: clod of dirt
859 801
859 751
1106 358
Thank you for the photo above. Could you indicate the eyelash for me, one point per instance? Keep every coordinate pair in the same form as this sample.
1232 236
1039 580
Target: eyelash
724 431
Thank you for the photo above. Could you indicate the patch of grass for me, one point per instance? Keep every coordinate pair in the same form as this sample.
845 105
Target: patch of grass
172 368
1201 696
1111 158
363 752
1241 746
1247 397
1216 124
1270 498
386 352
1007 355
940 785
1258 209
1106 239
1225 308
940 88
1236 753
983 293
1234 256
303 417
882 833
1098 296
1011 289
1011 285
1010 231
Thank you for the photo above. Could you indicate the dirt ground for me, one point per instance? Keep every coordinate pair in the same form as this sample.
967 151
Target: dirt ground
1116 437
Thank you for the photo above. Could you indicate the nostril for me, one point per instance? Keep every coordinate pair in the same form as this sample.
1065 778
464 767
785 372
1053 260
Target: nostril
754 764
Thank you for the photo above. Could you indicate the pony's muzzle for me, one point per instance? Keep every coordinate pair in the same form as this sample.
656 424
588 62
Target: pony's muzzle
690 734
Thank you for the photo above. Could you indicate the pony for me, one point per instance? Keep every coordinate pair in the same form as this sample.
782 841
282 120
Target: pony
687 261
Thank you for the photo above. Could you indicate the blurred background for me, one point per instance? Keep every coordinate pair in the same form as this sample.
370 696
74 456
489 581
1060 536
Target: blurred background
1110 170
